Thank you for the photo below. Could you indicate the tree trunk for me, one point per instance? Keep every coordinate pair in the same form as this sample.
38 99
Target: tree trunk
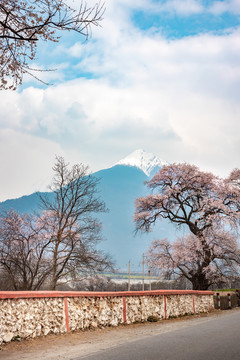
53 282
199 282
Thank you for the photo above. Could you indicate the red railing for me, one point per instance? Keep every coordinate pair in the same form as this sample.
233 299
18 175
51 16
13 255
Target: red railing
66 294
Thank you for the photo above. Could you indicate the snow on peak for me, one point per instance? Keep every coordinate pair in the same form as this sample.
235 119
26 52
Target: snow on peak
142 160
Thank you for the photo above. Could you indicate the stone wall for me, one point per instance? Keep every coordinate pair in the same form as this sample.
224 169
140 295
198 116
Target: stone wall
31 314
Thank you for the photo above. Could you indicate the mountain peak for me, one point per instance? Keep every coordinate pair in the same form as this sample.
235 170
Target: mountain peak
142 160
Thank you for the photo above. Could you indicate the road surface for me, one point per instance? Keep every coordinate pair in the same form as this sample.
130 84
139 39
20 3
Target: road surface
215 338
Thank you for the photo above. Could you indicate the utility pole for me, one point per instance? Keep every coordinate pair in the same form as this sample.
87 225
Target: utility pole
149 277
129 275
143 272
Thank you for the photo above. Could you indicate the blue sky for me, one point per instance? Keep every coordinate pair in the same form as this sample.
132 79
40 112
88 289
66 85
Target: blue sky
158 75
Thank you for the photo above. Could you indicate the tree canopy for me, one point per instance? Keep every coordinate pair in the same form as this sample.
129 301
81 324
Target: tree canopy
60 243
24 246
212 260
68 218
23 23
187 196
208 207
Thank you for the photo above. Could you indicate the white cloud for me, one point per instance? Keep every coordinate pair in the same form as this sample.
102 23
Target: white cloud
183 7
25 163
220 7
178 99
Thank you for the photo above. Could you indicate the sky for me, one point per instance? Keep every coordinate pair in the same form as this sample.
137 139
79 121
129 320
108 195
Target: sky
159 75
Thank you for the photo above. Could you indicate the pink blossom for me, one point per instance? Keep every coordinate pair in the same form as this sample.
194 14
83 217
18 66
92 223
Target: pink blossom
209 206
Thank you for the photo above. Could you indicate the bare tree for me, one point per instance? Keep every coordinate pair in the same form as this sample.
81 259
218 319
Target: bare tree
67 215
23 251
24 22
59 244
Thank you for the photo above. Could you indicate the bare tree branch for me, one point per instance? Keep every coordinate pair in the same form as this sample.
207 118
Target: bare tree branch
24 22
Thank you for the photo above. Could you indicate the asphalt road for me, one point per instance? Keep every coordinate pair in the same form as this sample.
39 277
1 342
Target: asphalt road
215 338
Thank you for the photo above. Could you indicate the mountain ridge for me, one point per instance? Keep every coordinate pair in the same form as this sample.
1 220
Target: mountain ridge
118 187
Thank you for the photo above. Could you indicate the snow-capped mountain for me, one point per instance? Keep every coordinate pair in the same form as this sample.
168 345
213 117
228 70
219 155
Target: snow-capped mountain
147 162
118 187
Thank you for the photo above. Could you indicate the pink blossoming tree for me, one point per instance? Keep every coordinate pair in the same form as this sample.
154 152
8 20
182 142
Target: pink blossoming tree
204 204
203 262
24 259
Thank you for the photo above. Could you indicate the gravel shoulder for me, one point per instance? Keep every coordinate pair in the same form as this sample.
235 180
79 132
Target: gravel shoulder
79 344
